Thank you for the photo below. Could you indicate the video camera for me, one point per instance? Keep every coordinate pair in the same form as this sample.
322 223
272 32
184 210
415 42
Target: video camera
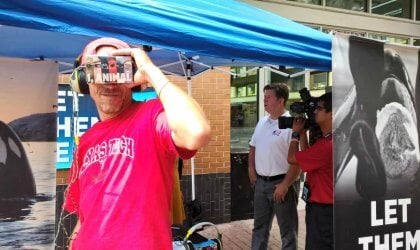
299 109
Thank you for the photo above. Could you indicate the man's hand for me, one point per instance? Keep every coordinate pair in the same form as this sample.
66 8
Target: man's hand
142 61
298 125
252 173
280 192
252 177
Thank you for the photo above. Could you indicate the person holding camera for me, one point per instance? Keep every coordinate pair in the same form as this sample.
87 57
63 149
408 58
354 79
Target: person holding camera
121 177
267 168
317 162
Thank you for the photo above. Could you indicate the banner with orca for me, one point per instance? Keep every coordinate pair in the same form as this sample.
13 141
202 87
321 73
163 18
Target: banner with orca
376 144
28 125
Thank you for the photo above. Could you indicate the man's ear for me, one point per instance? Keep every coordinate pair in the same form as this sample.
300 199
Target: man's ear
282 101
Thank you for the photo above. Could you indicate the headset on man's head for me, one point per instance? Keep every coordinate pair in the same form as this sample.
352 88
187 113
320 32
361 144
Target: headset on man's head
78 80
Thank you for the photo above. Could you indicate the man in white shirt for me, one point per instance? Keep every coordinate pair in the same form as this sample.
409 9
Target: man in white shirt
268 166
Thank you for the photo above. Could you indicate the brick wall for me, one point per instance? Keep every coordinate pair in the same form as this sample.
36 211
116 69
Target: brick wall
212 91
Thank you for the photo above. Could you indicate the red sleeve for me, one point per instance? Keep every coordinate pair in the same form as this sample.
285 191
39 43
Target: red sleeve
315 157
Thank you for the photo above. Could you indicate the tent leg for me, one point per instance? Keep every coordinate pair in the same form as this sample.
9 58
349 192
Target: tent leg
192 159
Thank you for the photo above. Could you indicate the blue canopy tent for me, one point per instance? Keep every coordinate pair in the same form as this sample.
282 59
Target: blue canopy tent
207 33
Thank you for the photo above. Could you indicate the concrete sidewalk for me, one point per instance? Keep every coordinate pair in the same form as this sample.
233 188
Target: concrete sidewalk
237 234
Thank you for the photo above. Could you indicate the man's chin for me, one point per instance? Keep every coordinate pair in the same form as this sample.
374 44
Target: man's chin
110 109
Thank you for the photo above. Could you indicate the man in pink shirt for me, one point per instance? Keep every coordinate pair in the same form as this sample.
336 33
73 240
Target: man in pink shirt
121 178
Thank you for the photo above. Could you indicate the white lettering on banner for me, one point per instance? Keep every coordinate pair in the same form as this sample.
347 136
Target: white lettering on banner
62 107
65 126
396 240
61 102
390 211
84 123
81 124
382 245
412 241
63 151
365 241
70 124
116 146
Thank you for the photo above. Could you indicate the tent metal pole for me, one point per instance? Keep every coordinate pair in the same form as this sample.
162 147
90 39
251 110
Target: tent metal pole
187 73
276 71
192 179
189 89
301 73
75 119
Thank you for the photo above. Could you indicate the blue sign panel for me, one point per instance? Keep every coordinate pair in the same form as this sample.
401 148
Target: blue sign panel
68 121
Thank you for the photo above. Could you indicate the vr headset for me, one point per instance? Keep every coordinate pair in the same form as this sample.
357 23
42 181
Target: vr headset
101 70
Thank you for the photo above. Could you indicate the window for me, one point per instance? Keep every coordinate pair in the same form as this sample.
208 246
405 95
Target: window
251 89
233 92
294 83
394 8
317 2
241 91
243 71
350 32
243 107
319 81
390 39
297 83
356 5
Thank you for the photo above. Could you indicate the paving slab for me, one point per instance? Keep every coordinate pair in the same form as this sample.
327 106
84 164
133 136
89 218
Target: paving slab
238 234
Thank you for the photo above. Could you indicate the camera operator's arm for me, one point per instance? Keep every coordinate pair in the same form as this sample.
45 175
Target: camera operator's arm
298 127
282 188
303 142
251 166
294 169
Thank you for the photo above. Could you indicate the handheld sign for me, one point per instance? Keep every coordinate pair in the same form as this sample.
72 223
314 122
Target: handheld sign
109 69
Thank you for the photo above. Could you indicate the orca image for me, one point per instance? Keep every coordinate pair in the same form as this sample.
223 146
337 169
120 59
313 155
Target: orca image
17 184
28 130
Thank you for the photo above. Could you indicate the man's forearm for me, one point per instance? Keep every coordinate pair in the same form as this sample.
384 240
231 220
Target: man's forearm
251 160
293 148
186 118
291 175
252 172
303 141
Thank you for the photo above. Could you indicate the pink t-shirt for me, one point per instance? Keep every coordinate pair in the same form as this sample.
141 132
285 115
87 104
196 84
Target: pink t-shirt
121 181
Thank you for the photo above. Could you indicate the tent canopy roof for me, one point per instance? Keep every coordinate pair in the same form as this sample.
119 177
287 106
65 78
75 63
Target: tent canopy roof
220 32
